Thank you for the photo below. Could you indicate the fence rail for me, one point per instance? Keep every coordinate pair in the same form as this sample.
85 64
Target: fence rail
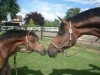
55 29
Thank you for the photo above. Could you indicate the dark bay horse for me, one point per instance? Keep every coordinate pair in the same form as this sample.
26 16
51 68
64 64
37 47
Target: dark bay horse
84 23
10 40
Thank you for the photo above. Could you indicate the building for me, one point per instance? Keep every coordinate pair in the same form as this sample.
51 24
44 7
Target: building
13 22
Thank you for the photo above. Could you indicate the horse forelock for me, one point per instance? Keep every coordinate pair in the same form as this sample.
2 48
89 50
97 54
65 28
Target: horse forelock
34 35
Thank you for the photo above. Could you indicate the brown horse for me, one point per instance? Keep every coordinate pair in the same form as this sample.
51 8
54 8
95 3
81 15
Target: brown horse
10 40
84 23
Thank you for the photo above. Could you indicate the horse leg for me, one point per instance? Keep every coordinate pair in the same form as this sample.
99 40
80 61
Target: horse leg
3 71
15 55
8 69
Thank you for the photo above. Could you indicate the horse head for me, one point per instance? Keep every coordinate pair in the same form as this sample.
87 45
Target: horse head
65 38
12 39
32 43
84 23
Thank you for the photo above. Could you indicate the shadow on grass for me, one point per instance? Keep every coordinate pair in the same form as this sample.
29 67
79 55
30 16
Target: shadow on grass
25 71
77 72
72 72
94 67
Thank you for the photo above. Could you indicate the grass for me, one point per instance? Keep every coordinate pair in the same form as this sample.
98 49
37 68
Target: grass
84 63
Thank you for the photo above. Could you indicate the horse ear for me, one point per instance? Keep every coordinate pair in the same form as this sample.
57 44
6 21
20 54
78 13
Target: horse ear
62 20
32 31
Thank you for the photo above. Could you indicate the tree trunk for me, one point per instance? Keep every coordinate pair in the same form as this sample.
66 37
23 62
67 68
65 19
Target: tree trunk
0 24
41 32
26 25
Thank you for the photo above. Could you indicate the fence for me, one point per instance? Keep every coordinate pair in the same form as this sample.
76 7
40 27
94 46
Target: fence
53 29
4 28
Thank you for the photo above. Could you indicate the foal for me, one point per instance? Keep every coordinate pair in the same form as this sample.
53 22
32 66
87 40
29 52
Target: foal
10 40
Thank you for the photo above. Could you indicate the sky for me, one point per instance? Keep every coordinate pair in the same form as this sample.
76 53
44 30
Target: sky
51 9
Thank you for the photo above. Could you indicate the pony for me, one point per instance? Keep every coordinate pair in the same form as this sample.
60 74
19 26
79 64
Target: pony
12 39
84 23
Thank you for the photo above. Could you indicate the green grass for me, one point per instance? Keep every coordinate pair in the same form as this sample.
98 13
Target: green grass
87 62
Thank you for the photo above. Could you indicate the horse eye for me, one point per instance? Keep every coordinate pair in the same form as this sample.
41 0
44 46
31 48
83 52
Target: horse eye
33 40
60 32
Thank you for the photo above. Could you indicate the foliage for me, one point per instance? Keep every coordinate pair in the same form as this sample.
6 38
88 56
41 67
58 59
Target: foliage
12 7
36 17
39 20
54 23
71 12
31 23
3 12
8 6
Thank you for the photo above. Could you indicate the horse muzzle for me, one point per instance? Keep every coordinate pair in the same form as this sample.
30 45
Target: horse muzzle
52 53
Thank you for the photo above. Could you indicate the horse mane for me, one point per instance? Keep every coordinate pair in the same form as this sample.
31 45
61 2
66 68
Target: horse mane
85 15
15 33
61 29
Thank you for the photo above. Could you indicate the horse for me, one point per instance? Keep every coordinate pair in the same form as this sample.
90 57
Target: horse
84 23
12 39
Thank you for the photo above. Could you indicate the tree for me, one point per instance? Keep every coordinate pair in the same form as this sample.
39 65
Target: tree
71 12
13 7
37 18
31 23
54 23
8 6
3 8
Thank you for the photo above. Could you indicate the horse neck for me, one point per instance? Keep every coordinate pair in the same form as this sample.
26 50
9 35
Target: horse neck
89 27
9 46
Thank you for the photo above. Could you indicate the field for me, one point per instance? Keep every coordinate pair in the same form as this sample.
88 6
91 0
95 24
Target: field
86 62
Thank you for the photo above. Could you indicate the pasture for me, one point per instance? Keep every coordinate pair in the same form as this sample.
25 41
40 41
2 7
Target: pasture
86 62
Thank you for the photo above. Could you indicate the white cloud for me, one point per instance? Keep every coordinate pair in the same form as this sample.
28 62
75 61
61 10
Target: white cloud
84 9
85 1
52 16
23 12
48 16
98 4
49 10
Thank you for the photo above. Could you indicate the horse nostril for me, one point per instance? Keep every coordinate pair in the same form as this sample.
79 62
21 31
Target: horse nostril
44 52
52 53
